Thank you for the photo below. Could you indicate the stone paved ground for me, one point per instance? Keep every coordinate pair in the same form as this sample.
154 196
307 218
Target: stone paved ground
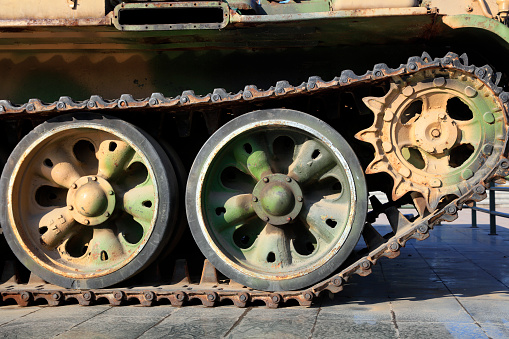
453 285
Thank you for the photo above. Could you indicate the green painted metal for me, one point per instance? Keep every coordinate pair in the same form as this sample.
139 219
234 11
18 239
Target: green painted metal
242 196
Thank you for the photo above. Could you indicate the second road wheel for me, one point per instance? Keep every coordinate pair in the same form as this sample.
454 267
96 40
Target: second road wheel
91 201
276 200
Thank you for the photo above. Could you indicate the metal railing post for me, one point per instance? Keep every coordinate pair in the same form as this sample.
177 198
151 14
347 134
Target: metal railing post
474 216
493 221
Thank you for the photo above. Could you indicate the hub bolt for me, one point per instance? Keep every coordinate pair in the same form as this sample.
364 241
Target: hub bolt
255 199
435 133
74 186
288 179
299 199
265 179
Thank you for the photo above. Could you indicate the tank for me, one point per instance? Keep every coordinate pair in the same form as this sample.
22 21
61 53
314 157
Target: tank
235 151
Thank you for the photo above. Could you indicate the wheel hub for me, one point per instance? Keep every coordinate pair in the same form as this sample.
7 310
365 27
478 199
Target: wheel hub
277 199
435 132
91 200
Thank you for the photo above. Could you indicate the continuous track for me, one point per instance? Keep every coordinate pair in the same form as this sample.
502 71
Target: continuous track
211 292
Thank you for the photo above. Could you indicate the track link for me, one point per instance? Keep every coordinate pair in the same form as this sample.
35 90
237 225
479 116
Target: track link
210 291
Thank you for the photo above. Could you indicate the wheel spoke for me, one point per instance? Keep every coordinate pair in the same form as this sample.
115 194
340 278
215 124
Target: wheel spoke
271 248
60 166
113 156
55 226
436 164
140 202
405 135
325 219
105 247
468 132
235 210
436 101
312 161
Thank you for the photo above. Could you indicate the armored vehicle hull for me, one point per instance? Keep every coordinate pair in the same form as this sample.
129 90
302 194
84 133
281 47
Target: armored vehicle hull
230 150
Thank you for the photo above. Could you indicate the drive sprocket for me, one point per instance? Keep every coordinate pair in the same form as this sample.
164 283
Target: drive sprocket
436 132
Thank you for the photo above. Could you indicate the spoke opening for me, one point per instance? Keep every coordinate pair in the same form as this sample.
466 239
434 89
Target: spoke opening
458 110
131 230
412 112
304 242
220 211
316 154
414 157
135 175
48 196
460 154
84 151
248 148
331 223
283 148
245 235
48 163
77 245
104 256
232 177
112 146
271 257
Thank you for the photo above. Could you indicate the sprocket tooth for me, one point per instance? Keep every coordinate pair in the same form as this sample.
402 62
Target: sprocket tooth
368 135
375 104
433 199
378 165
400 188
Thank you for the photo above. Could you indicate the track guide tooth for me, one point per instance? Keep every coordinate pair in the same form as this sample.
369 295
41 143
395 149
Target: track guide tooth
208 275
181 273
396 219
372 238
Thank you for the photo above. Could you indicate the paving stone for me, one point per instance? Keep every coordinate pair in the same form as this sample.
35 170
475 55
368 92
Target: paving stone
119 322
10 313
495 331
196 322
48 322
489 311
356 309
276 323
446 309
346 329
442 330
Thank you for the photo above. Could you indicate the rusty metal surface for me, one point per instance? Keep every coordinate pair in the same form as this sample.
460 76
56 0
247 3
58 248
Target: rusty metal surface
182 291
